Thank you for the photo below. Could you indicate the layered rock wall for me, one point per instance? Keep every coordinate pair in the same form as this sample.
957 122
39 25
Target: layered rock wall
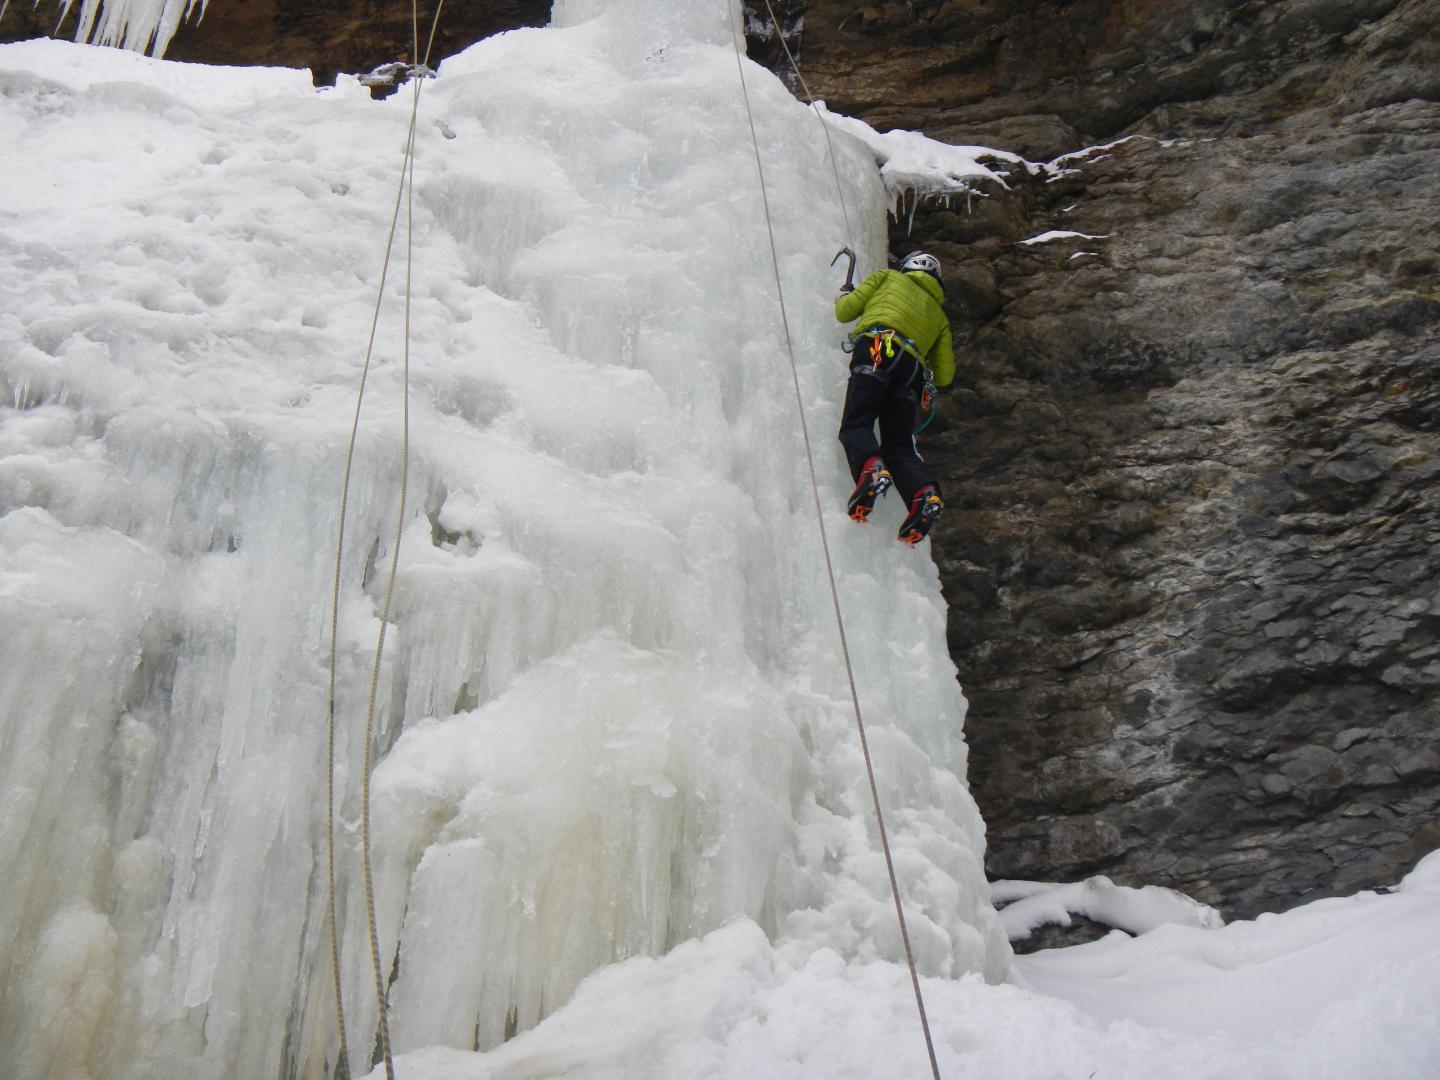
1191 457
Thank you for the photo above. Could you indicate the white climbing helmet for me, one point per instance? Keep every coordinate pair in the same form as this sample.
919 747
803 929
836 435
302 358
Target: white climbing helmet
922 261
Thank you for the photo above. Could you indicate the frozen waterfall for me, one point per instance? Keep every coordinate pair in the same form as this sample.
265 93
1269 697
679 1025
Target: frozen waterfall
614 716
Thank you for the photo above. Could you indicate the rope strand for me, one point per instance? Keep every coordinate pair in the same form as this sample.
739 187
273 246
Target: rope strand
406 186
810 100
344 1064
829 565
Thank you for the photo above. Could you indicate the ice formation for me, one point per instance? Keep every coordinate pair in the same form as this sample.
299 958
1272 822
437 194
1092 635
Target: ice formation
613 712
141 25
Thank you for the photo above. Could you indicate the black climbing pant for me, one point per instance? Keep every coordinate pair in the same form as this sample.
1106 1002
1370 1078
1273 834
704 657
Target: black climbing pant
888 392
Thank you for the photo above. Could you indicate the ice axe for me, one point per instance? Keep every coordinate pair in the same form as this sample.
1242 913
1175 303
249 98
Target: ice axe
849 285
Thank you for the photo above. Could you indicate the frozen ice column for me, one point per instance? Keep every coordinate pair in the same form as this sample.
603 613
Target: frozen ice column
679 751
649 25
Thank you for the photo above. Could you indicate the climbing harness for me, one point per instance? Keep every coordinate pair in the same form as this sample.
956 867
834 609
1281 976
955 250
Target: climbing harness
406 187
879 353
885 340
892 339
820 519
884 343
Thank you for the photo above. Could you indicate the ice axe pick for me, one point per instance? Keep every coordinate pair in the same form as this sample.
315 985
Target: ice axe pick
850 270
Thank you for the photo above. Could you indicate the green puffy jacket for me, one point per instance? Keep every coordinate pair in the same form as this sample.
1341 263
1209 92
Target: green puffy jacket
910 304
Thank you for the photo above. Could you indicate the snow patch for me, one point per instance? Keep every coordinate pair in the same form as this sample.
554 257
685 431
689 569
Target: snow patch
99 72
912 164
1348 971
1032 904
1062 234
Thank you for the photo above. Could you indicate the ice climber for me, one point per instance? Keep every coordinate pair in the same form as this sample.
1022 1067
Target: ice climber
901 351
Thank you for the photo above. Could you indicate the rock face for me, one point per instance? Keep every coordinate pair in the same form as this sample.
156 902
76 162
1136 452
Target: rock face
1191 455
327 36
330 37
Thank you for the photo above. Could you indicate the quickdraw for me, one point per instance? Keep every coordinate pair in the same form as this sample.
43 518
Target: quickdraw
876 359
927 405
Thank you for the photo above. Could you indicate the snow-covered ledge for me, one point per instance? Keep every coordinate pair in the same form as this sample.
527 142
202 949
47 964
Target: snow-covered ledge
1025 906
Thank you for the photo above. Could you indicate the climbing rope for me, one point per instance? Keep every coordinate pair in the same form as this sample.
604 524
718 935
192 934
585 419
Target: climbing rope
405 193
406 188
810 100
829 565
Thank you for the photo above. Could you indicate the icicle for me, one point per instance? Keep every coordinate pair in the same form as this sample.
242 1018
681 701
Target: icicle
137 25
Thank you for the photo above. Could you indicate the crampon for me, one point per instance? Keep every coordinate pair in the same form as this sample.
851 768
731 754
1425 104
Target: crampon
874 482
924 511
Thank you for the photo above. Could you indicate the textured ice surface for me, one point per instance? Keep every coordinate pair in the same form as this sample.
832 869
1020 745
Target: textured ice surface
613 716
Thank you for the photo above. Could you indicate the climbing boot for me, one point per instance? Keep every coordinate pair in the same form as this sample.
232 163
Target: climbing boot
924 511
874 482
